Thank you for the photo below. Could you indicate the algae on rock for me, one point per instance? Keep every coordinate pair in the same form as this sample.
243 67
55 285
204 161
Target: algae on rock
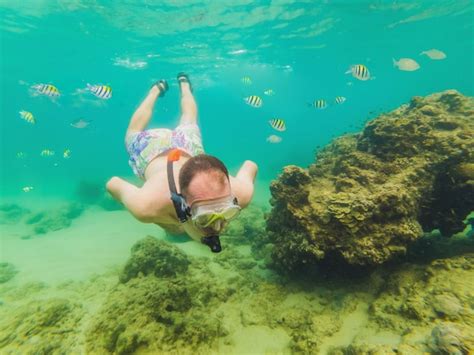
369 196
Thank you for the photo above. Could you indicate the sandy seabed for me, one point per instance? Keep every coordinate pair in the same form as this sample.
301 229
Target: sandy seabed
66 297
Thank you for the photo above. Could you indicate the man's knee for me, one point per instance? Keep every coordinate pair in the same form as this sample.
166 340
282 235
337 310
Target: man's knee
188 118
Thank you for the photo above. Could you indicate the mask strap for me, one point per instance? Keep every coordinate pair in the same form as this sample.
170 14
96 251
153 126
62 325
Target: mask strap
180 206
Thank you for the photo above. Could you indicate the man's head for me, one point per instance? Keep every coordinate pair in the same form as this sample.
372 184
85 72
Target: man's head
204 177
204 183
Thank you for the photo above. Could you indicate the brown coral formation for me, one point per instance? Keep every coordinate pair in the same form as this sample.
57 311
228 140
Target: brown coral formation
368 196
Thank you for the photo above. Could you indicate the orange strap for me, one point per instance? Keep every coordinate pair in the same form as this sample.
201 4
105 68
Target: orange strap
174 155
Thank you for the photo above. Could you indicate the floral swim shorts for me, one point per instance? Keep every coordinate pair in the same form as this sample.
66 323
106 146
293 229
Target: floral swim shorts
145 146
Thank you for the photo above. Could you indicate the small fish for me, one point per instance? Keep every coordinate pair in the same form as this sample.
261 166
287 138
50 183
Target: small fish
319 104
27 188
67 153
406 64
246 80
278 124
434 54
21 155
274 139
101 91
340 99
269 92
80 123
254 101
359 71
47 153
46 89
27 116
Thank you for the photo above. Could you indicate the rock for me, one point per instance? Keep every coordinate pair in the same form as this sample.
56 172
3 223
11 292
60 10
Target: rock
369 196
11 213
49 221
448 338
7 272
447 305
152 256
159 315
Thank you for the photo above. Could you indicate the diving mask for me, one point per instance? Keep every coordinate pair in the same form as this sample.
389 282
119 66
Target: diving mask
205 214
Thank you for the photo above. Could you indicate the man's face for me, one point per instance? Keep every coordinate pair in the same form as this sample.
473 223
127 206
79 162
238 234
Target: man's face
207 187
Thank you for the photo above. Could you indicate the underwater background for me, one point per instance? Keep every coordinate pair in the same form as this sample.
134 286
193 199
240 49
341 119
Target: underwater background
65 244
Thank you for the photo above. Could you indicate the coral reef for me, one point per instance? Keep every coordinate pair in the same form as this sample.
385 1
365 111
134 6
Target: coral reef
7 272
49 221
369 196
220 304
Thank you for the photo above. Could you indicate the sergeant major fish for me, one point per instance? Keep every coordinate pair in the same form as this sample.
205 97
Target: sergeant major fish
101 91
27 116
278 124
359 71
254 101
46 89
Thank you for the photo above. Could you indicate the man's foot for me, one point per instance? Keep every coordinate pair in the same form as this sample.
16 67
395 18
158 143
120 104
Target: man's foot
183 78
162 85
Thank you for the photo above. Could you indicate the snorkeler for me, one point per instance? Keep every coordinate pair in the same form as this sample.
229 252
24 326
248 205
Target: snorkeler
208 197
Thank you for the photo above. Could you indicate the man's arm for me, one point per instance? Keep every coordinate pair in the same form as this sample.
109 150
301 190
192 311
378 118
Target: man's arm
131 197
246 179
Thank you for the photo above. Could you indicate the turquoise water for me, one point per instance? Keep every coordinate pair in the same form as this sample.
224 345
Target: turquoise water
299 49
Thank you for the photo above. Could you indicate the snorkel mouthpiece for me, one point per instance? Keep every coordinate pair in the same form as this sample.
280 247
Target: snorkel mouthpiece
212 242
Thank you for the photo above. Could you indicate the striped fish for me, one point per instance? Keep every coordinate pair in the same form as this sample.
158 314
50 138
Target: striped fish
319 104
67 153
269 92
47 89
20 155
27 188
27 116
359 71
101 91
246 80
278 124
339 99
47 153
254 101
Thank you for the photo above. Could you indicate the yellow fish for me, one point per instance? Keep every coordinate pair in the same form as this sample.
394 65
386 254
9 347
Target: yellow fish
47 153
27 188
67 153
254 101
47 89
278 124
101 91
269 92
246 80
27 116
359 71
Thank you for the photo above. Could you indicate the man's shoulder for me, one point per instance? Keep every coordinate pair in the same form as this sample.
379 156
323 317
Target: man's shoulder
155 201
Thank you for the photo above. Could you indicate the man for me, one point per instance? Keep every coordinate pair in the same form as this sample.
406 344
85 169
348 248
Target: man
208 198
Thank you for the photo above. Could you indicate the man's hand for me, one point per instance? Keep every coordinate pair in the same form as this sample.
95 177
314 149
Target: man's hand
246 178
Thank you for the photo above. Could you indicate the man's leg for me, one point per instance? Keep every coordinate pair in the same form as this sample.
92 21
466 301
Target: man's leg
188 104
142 115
